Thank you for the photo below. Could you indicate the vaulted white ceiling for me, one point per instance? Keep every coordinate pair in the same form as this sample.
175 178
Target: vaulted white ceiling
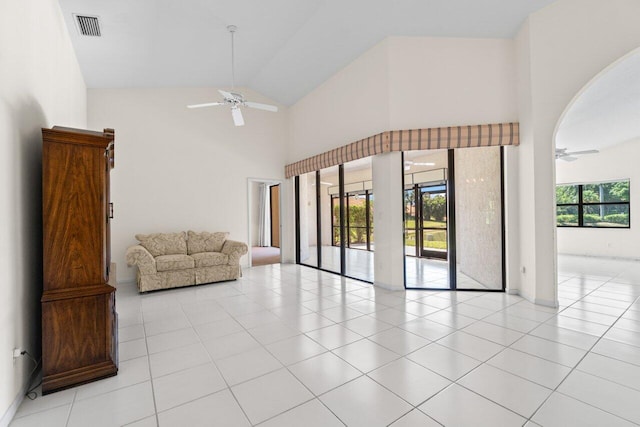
284 48
606 111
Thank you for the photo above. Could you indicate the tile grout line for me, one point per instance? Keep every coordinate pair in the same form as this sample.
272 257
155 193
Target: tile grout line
328 351
315 397
469 373
589 351
213 362
153 390
485 363
73 401
416 407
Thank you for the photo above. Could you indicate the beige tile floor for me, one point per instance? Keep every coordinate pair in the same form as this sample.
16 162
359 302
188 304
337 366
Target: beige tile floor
290 346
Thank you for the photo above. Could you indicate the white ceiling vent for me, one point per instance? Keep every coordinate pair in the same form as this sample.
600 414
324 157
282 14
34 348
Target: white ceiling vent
88 25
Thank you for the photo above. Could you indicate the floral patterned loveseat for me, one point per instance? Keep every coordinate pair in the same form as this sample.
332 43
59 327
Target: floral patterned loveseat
171 260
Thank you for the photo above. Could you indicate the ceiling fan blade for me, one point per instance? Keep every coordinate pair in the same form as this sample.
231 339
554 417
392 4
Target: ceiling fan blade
227 95
571 153
208 104
568 158
238 120
259 106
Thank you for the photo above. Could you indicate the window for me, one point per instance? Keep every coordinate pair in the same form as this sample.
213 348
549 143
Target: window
598 205
359 220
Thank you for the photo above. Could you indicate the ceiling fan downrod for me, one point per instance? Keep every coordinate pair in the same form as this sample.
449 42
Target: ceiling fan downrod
232 29
233 99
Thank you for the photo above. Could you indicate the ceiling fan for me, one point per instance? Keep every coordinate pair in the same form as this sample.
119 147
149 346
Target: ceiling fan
568 156
233 99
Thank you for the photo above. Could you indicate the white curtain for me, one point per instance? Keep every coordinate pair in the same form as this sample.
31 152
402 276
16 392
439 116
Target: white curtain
264 216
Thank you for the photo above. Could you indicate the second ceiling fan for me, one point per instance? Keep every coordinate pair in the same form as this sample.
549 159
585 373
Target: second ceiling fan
570 156
233 99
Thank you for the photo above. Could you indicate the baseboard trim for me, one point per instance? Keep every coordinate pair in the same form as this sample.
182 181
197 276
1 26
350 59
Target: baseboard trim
387 286
13 408
618 258
546 303
537 301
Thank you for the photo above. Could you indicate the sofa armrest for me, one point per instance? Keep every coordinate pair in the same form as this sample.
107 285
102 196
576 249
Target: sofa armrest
235 250
140 256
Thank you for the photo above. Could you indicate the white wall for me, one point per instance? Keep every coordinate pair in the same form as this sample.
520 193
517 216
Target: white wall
40 86
560 48
437 82
180 169
351 105
615 163
407 83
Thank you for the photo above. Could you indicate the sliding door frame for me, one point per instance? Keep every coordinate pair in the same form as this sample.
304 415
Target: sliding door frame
451 227
343 225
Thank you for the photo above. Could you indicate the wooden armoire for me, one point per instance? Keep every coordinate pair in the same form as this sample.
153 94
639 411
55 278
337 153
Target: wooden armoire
79 320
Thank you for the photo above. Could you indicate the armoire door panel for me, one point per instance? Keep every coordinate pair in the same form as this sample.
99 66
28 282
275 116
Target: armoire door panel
73 218
75 331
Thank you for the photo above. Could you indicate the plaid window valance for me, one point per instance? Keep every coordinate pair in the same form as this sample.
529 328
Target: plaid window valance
412 139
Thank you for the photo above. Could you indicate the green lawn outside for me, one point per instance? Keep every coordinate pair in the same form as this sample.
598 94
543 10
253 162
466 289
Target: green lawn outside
411 223
438 240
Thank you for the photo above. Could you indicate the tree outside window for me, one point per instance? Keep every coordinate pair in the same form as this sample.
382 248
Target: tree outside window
597 205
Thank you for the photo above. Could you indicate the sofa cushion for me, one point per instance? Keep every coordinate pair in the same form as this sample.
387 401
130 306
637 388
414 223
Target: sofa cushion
164 243
210 259
174 262
205 242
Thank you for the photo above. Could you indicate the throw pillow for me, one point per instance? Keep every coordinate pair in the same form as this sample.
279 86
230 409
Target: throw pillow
205 242
164 243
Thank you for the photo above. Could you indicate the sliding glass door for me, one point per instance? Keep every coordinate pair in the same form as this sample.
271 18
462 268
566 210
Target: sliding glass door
454 219
335 219
410 222
359 205
433 221
479 219
426 219
331 208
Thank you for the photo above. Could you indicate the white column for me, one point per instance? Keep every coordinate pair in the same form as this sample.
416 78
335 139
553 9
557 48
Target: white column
288 221
388 221
534 266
